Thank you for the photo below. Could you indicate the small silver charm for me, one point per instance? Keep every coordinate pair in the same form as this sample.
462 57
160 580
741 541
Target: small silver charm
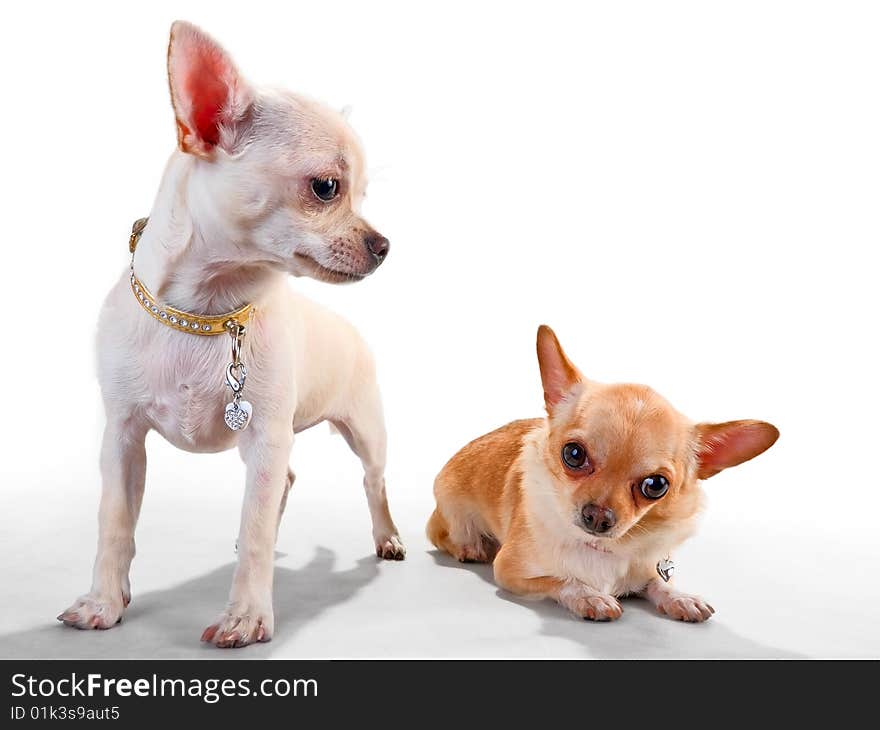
665 569
238 414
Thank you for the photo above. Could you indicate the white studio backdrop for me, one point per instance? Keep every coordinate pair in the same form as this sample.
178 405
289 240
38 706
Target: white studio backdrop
687 192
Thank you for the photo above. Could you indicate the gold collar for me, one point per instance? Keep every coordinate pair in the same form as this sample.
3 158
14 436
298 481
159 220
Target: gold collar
194 324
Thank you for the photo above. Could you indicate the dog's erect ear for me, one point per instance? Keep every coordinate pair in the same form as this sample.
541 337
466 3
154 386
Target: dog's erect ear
558 375
722 445
211 99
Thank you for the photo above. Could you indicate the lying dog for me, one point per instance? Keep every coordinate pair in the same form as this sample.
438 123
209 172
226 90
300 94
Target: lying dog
586 505
264 184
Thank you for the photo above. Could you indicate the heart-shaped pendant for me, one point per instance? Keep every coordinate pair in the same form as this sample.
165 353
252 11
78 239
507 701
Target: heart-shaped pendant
665 569
238 415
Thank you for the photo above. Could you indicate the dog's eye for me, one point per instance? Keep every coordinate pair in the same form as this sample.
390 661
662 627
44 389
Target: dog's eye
325 189
654 486
574 455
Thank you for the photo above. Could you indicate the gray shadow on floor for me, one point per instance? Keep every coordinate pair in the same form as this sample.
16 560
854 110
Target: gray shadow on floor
640 633
168 623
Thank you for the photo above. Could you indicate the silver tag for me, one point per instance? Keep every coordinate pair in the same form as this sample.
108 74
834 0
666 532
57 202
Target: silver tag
238 414
665 569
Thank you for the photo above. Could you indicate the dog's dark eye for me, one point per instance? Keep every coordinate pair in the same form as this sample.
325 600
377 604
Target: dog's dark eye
325 188
574 455
654 486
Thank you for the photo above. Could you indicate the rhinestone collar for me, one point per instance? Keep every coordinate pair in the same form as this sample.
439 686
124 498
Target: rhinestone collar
194 324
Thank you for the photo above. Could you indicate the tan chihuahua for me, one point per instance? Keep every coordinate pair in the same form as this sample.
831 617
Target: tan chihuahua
586 505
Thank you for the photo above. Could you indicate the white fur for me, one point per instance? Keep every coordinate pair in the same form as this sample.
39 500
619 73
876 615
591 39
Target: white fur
223 232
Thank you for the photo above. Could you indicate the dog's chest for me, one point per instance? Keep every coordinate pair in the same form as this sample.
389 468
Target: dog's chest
602 571
187 394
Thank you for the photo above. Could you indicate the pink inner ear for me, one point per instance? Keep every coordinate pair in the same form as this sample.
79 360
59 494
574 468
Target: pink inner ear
558 375
728 444
208 92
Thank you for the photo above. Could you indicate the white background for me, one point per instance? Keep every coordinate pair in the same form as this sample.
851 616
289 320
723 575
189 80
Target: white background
686 192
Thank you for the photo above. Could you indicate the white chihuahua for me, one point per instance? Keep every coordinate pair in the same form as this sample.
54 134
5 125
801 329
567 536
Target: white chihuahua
264 184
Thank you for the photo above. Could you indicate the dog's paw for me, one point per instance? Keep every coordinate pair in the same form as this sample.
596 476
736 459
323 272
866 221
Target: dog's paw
390 548
588 604
683 607
236 628
471 554
598 608
94 612
483 551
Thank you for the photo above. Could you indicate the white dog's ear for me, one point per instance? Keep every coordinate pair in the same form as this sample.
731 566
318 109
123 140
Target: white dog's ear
211 100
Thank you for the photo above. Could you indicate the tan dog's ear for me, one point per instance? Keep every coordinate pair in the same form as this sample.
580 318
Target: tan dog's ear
211 99
558 375
722 445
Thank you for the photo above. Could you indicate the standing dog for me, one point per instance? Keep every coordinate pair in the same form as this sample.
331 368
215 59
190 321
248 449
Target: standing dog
587 504
264 184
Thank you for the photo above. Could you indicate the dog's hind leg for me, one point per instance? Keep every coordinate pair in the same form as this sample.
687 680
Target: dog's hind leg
463 539
438 532
291 477
456 526
364 430
123 472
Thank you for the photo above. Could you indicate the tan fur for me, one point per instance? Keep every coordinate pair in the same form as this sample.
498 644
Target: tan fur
479 490
512 489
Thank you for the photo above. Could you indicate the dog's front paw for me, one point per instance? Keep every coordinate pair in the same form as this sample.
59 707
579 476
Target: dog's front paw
390 548
683 607
598 608
589 604
239 627
94 612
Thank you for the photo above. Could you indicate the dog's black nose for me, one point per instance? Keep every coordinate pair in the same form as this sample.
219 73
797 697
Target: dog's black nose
598 519
378 246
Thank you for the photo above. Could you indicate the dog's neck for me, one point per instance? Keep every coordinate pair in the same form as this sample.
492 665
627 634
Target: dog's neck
187 258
